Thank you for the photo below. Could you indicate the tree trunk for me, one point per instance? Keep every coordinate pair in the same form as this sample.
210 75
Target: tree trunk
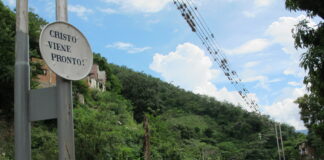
146 145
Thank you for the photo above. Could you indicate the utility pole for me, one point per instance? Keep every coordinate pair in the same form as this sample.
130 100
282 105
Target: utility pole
282 146
22 84
277 138
65 126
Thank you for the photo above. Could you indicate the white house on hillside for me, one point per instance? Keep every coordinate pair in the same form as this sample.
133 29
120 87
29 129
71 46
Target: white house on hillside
96 78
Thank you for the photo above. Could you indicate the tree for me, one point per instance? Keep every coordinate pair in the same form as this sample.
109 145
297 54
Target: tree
7 48
313 8
312 39
142 90
112 82
7 56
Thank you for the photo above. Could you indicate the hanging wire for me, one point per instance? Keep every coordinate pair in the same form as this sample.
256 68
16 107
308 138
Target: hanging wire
198 25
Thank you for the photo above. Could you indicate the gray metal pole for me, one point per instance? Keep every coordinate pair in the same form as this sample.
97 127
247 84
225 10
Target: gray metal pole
282 145
22 84
64 102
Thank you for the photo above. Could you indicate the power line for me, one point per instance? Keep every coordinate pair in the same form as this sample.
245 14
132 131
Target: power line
198 25
225 63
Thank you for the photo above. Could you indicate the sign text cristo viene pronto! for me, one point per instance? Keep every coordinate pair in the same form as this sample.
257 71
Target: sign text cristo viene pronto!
66 51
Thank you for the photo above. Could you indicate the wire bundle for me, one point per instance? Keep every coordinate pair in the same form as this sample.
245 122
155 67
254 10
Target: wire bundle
198 25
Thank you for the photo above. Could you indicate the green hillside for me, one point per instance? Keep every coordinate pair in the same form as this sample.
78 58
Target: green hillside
110 125
189 126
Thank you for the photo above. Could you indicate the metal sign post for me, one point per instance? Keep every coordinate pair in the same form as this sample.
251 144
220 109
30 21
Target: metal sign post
22 84
64 102
65 50
70 58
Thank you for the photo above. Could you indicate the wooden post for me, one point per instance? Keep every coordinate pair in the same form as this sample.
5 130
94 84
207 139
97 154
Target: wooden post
146 145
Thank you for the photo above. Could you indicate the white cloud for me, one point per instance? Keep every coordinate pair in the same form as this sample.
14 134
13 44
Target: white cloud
153 21
285 110
50 8
11 3
249 14
107 10
256 3
292 83
251 64
255 78
257 7
262 81
224 95
147 6
292 65
251 46
80 11
281 31
294 70
190 68
129 47
262 3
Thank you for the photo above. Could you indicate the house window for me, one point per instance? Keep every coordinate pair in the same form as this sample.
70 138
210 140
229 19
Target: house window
44 72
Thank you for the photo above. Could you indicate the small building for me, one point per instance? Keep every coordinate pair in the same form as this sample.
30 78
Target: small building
48 77
306 152
95 80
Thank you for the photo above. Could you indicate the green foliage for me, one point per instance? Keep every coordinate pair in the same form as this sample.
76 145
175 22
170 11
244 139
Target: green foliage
313 7
79 88
173 137
44 142
315 141
6 141
112 84
106 129
312 39
35 25
7 56
312 60
141 89
7 48
312 114
183 125
290 145
180 120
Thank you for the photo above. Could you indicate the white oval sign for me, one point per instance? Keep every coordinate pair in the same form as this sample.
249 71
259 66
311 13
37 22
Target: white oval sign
66 51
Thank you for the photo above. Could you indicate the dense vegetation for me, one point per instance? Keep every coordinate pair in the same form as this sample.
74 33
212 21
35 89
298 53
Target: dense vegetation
312 39
189 126
181 125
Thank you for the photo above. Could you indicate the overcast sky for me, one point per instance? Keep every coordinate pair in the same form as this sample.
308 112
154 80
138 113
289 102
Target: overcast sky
151 36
